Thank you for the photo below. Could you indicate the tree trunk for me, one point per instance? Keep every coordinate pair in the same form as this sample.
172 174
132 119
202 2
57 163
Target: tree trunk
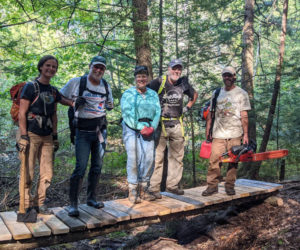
247 72
272 109
161 39
141 34
176 29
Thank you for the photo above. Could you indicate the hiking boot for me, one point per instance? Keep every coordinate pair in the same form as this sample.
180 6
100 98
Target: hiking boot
210 191
230 191
157 195
133 196
93 180
175 191
44 210
145 194
75 185
95 204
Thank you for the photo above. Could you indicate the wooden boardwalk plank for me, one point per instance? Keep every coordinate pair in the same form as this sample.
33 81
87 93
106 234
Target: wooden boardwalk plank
262 183
207 200
89 220
73 223
4 232
147 208
134 214
18 230
119 215
244 182
55 224
103 217
174 205
197 194
39 228
193 203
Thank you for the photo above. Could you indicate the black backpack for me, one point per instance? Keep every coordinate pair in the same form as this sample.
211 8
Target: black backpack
71 111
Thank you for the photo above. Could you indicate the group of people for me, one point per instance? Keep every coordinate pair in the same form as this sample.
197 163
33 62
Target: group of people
152 118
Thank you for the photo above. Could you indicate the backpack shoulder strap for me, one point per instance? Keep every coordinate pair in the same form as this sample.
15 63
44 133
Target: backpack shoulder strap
83 83
213 110
214 100
36 91
106 87
162 85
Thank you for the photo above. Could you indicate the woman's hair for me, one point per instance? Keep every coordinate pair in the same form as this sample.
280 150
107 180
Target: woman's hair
44 59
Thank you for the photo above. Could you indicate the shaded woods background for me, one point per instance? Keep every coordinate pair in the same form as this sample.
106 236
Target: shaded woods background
207 35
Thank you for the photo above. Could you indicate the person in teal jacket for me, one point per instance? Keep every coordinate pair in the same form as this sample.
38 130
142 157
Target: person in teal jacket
141 113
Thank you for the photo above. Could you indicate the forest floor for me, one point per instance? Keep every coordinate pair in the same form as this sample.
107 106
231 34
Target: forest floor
251 226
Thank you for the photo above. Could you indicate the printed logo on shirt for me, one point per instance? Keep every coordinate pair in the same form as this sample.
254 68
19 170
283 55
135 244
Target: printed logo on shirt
47 97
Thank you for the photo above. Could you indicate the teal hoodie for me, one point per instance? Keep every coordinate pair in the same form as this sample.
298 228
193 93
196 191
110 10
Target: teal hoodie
135 106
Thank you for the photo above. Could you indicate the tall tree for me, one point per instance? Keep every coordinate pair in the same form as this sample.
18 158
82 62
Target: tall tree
247 68
161 38
141 34
276 88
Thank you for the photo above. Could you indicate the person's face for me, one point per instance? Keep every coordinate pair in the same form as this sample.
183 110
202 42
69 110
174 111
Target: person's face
49 68
174 73
228 80
141 82
97 71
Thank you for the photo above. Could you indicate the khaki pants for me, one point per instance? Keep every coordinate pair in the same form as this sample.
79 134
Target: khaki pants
220 146
175 157
41 149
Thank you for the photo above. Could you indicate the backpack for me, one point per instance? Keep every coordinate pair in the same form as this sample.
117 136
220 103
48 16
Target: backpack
15 94
71 111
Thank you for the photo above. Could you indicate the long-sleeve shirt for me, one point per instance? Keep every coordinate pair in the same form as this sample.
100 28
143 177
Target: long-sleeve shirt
135 106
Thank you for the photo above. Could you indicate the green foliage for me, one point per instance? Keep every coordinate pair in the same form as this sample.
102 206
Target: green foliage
209 37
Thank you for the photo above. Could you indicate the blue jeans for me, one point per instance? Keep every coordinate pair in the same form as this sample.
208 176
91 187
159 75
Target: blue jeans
140 156
87 142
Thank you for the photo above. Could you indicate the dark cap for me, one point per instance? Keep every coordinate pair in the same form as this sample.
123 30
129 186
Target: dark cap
141 69
98 60
175 62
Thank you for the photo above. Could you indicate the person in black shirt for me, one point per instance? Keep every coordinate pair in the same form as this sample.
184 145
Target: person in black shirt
38 130
171 89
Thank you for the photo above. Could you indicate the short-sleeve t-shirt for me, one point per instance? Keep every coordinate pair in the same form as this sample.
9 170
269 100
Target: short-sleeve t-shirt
171 98
228 113
43 106
93 94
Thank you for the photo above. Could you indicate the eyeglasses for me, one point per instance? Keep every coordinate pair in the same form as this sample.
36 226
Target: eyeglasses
99 66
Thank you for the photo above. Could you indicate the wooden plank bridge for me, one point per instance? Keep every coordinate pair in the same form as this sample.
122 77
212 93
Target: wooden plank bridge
121 214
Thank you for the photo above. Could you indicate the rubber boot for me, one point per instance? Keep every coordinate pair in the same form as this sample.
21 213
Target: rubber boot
75 186
93 180
133 195
144 192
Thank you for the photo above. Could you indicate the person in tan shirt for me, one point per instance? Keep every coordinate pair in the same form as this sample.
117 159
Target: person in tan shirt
229 129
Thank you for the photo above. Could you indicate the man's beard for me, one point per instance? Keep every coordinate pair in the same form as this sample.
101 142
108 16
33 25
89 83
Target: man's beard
96 76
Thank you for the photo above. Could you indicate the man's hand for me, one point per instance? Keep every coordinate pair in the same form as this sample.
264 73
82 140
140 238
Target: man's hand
245 139
186 110
80 100
109 105
147 131
55 142
23 143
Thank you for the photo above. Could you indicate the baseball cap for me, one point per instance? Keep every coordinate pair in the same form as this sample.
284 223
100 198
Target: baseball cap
229 70
175 62
141 69
98 60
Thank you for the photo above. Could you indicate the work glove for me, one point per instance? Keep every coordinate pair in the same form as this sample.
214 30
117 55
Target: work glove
147 131
109 105
80 100
23 143
186 110
55 142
